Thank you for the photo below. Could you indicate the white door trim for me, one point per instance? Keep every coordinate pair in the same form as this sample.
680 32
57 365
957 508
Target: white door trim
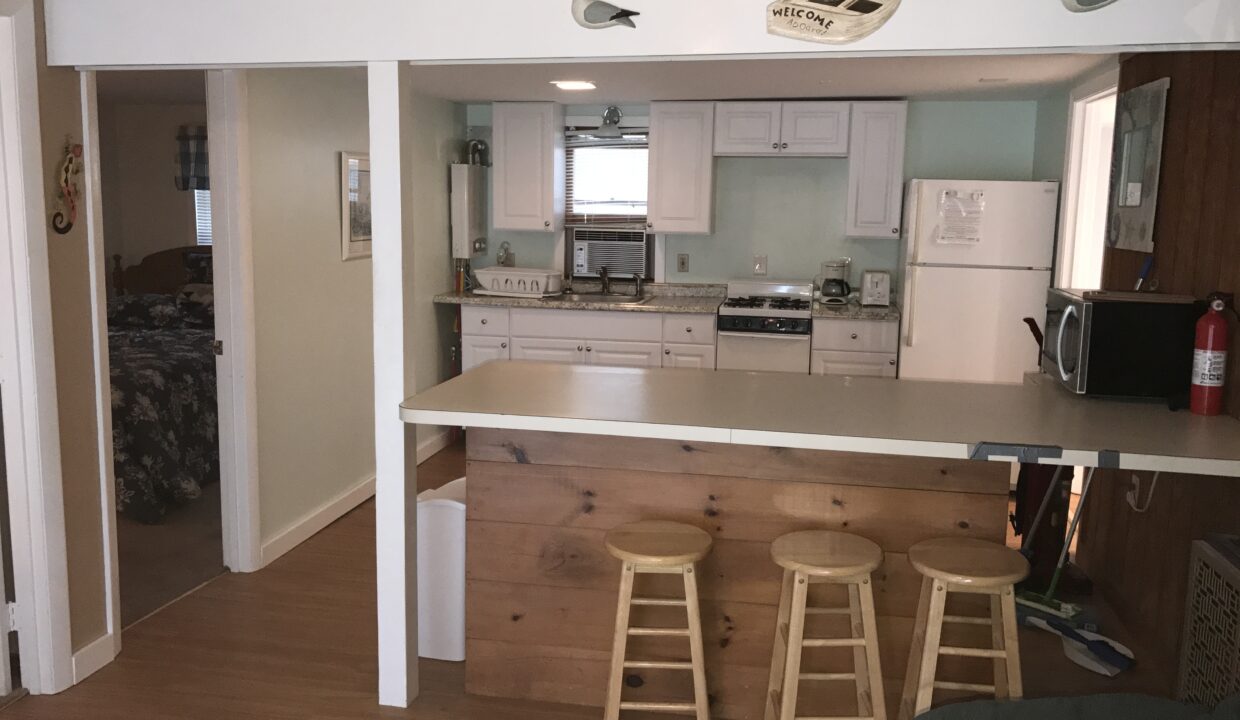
236 369
105 648
27 368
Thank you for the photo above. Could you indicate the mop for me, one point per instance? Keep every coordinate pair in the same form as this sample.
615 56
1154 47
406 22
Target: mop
1045 604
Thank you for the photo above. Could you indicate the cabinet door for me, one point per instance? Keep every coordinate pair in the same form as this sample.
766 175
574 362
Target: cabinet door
527 173
682 165
695 357
478 349
744 128
857 364
875 169
814 128
627 354
568 352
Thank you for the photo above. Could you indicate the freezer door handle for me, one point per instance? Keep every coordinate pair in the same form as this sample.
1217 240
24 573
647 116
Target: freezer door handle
910 316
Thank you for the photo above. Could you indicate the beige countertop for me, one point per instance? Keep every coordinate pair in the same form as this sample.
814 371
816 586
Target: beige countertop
1036 420
656 304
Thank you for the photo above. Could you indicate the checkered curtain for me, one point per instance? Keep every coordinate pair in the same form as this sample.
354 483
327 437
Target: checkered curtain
193 168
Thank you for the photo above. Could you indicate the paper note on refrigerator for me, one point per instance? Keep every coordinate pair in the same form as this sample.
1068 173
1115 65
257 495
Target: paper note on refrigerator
960 217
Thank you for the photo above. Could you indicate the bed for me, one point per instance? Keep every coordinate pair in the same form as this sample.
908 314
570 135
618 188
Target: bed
161 332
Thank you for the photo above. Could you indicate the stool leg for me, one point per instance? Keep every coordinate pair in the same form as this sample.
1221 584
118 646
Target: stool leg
779 650
909 698
996 636
930 653
1011 645
861 665
869 623
700 698
796 634
619 644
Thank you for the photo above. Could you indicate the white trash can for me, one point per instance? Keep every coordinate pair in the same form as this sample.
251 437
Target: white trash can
441 572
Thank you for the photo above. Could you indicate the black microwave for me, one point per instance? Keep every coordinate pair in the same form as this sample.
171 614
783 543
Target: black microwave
1120 344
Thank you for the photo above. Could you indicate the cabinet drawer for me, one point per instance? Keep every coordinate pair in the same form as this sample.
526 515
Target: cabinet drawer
587 324
697 329
857 364
856 335
483 320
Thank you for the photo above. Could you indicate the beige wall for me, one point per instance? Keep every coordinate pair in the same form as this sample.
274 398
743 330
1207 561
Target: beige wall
312 311
143 212
60 110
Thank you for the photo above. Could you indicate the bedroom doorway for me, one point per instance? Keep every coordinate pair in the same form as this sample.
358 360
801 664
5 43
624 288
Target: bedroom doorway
161 332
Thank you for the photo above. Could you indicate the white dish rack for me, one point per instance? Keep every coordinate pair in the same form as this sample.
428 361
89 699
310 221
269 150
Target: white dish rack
518 282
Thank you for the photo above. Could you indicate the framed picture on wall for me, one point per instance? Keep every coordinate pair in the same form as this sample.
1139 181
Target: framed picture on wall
354 205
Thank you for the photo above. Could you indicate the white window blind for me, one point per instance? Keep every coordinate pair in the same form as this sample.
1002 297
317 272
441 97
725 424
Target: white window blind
607 180
202 216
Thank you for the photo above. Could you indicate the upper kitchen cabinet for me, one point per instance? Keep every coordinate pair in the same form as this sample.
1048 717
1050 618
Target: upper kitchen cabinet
806 129
527 173
876 169
682 166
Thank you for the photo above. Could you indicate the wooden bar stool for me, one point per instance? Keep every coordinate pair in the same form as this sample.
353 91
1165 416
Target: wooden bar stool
824 556
963 565
659 547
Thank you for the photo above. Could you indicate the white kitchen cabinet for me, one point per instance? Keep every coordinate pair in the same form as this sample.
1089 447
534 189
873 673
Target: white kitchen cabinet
527 173
556 350
480 349
623 353
775 128
693 357
747 128
857 364
681 188
876 169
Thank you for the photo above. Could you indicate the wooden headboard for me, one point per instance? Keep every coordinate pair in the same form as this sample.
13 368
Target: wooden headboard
161 273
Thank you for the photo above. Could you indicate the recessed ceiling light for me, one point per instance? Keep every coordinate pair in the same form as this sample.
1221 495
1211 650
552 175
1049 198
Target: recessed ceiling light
573 84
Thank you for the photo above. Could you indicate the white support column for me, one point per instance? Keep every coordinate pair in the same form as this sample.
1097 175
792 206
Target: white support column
395 443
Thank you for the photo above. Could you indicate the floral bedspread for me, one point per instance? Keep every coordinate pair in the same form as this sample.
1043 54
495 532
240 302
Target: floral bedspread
164 417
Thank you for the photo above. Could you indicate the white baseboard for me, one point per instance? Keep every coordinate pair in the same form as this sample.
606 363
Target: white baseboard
315 520
432 444
93 657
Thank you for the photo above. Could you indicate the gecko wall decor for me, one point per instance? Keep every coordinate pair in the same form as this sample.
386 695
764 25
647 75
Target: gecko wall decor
67 189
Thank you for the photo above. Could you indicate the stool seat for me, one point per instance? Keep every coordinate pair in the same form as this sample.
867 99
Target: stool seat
825 553
969 562
658 543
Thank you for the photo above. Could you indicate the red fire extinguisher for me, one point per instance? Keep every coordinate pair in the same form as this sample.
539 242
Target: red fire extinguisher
1210 360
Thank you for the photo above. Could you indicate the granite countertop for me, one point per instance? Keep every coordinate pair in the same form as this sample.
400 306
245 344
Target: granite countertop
855 311
1037 420
697 299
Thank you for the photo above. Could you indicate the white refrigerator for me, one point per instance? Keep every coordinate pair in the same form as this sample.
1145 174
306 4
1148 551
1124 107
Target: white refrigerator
978 258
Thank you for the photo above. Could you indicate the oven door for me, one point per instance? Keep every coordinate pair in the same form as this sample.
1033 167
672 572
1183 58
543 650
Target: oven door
1065 348
763 351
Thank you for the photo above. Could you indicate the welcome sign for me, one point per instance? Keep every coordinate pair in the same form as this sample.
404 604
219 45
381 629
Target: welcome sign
828 21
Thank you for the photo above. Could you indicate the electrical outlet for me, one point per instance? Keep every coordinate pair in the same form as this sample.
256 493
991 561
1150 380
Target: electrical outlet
759 265
682 262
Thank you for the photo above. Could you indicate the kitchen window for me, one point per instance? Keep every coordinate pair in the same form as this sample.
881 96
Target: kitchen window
607 179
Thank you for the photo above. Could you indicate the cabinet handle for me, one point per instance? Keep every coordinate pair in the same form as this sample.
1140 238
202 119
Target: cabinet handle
774 146
579 348
650 226
891 362
546 223
667 352
484 321
503 346
895 231
689 329
784 146
589 349
854 336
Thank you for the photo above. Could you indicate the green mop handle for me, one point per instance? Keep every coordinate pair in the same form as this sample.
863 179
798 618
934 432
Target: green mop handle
1076 518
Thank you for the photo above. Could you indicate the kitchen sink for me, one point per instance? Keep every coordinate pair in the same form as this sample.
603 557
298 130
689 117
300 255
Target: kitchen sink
609 299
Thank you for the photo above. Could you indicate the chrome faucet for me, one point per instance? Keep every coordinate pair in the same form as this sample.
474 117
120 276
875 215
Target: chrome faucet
605 277
639 282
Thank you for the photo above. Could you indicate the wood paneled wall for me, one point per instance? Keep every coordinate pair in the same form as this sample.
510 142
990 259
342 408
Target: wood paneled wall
1139 562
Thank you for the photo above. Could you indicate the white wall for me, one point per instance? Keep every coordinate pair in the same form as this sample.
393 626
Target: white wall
187 32
143 212
312 311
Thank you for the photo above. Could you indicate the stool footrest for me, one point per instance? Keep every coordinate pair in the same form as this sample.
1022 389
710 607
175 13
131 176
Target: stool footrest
971 687
833 642
658 665
661 707
971 652
966 620
659 602
659 632
828 676
827 611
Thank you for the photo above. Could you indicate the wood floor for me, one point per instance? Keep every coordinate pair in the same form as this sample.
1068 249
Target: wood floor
297 640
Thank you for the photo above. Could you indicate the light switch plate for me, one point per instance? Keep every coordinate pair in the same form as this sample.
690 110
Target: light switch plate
759 265
682 262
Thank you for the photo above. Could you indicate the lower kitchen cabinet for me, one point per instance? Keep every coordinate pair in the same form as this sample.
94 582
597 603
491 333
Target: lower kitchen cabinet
478 349
693 357
857 364
568 352
627 354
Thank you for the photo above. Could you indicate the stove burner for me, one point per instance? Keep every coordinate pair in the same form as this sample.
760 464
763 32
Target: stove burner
784 303
750 303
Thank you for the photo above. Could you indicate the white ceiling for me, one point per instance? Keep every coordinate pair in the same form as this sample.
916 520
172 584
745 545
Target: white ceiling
164 87
957 77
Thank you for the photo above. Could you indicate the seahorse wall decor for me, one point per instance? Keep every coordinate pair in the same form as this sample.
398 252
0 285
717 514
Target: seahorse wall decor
67 189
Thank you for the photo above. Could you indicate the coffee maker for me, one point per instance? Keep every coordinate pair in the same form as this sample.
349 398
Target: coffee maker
832 282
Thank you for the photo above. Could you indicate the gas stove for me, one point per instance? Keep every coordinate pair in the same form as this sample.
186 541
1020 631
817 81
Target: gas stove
752 298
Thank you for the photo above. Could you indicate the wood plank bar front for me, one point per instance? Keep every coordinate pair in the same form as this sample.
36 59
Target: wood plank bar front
541 593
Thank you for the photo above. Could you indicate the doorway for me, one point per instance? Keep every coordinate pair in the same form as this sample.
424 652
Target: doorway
1087 184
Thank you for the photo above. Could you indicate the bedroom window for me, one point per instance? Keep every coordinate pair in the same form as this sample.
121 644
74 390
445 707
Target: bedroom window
202 216
607 180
